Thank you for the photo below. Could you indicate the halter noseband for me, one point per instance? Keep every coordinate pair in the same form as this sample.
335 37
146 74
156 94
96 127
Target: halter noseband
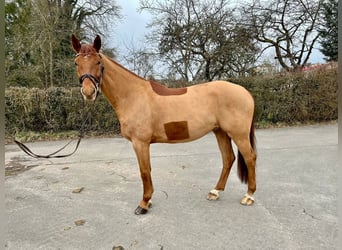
94 80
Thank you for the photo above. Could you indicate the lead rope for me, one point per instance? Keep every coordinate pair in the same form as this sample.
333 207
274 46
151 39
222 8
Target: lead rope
24 148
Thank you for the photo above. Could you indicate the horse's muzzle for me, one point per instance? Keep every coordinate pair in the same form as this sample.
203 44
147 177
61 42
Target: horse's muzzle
90 87
89 92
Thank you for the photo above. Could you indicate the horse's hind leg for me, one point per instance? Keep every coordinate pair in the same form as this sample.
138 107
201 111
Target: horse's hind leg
249 161
225 145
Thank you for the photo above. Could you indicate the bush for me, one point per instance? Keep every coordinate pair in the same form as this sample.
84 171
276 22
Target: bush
294 98
289 99
54 110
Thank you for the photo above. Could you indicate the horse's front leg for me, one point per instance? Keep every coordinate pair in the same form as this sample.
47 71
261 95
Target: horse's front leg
142 151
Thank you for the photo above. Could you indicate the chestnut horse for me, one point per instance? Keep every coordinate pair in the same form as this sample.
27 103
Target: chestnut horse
152 113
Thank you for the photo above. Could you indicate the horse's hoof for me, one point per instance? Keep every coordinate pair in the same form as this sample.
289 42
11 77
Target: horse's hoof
118 248
139 210
213 195
247 200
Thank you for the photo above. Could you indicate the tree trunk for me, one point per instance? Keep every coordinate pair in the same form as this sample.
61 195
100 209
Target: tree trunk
51 63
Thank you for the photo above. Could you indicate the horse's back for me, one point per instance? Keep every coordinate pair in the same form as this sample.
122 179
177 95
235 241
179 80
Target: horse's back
226 93
225 87
208 98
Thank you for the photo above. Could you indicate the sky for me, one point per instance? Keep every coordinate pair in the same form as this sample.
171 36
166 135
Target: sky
132 28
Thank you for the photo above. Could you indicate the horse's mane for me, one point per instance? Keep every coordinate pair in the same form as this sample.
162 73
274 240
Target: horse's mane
88 49
158 88
118 64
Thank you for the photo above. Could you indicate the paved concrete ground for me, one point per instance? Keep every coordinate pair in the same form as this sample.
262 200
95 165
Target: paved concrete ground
295 200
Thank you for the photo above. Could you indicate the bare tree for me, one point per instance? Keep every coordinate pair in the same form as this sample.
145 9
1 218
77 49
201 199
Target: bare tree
40 37
95 16
139 59
46 19
289 26
200 40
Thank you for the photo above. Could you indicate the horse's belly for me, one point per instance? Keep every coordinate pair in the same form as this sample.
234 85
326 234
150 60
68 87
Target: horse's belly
183 130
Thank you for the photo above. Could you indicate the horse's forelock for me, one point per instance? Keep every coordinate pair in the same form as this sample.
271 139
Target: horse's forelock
87 49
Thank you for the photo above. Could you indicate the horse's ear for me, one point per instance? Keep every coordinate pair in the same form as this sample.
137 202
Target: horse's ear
76 45
97 43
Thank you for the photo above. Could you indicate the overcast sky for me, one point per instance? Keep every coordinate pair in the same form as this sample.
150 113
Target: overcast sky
132 28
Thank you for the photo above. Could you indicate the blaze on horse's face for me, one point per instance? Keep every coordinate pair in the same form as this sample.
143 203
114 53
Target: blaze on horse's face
89 67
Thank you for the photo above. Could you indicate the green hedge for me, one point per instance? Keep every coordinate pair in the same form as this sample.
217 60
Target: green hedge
295 98
54 110
289 99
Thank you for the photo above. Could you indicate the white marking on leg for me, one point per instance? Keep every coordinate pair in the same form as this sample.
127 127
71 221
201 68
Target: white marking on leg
247 200
214 192
248 197
213 195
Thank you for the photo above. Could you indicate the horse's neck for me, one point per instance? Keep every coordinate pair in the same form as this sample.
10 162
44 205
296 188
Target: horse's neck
119 85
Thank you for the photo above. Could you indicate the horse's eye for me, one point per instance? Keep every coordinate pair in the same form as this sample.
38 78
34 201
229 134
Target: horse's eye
98 63
76 64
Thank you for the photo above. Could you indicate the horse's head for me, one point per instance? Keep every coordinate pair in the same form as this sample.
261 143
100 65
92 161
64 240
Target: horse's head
89 67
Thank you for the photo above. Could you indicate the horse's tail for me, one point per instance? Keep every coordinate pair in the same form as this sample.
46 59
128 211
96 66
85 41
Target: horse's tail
242 167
